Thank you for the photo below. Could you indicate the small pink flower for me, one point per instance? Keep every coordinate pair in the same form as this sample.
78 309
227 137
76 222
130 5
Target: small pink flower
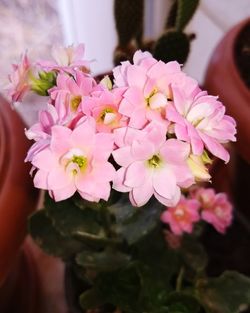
103 105
205 196
19 79
200 120
69 93
148 88
216 208
66 59
182 216
152 165
76 160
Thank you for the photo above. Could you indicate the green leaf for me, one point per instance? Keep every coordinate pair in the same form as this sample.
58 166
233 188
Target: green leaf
136 226
183 303
49 239
70 219
193 254
228 293
123 210
185 11
83 204
91 299
121 288
107 260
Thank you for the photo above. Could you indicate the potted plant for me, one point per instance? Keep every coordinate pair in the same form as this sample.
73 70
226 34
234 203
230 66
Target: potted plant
123 165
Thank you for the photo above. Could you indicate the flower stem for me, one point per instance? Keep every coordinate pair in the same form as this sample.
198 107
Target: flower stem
179 279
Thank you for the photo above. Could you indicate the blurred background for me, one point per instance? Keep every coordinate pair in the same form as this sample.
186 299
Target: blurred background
37 24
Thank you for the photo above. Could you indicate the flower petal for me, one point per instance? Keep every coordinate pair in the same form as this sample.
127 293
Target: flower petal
136 174
141 195
164 182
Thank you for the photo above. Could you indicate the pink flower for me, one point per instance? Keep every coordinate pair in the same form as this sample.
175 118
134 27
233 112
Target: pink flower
148 88
66 59
19 79
41 131
103 105
200 120
152 165
68 94
182 216
76 160
216 208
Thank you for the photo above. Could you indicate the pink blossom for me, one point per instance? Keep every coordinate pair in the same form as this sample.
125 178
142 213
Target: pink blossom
68 94
41 131
200 120
148 87
152 165
19 79
182 216
66 59
103 105
216 208
76 160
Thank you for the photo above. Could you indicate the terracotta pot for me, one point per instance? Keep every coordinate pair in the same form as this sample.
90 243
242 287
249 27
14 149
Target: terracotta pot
223 79
18 199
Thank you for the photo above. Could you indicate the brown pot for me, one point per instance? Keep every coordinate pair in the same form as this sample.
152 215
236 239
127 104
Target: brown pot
18 199
223 79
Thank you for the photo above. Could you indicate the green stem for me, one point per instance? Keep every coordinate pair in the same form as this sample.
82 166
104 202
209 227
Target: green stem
179 279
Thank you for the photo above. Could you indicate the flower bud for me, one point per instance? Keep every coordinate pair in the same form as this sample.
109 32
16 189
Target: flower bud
43 83
198 168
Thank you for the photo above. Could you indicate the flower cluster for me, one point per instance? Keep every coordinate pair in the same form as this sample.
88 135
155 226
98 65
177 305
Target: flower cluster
201 204
152 132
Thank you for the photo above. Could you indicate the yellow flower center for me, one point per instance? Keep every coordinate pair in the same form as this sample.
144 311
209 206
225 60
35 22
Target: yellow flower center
80 161
107 116
74 103
155 161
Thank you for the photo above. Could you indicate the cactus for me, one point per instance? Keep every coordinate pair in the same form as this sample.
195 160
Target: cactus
185 12
171 18
129 25
172 45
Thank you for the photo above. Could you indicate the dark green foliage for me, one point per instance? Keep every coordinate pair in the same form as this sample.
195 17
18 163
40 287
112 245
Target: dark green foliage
121 259
172 45
107 260
182 303
193 254
135 223
228 293
49 239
